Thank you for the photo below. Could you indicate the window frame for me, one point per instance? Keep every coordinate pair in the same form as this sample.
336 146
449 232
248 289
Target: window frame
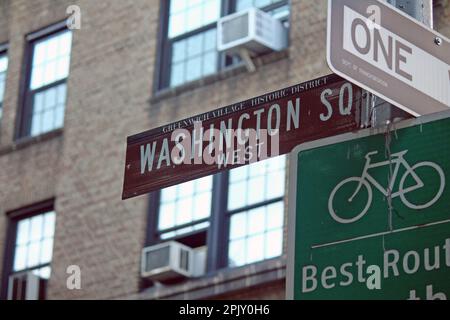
162 74
153 235
216 233
13 218
25 112
164 48
217 237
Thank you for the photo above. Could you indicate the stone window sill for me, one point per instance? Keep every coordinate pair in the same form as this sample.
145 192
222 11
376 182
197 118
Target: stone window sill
226 73
222 282
24 142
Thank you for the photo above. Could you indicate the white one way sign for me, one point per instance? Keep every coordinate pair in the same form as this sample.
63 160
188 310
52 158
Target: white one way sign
383 50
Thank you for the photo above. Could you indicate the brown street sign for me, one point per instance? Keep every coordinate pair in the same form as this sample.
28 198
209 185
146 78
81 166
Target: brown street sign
383 50
178 152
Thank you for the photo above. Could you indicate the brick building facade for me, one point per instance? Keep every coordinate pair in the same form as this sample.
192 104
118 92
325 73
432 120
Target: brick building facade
121 82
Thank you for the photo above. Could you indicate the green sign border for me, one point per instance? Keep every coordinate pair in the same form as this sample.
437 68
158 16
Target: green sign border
293 165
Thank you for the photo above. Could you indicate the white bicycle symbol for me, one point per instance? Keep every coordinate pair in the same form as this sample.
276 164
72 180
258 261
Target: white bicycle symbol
398 159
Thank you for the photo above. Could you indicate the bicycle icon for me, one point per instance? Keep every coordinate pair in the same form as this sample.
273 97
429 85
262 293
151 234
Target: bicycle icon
366 178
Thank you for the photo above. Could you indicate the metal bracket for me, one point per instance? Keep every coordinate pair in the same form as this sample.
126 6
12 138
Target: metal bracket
247 58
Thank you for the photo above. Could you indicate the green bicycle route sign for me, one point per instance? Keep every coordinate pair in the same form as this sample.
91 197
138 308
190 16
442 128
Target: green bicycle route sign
369 214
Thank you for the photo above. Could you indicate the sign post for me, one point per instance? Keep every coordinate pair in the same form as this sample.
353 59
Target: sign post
385 51
369 215
304 112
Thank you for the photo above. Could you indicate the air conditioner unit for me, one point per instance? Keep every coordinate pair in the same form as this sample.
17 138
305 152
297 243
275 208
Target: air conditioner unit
24 286
253 30
172 260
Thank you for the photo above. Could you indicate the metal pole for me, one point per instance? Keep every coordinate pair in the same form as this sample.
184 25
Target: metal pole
421 10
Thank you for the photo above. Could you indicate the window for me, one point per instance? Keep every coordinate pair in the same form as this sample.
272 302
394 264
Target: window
30 250
186 16
245 225
256 208
193 58
185 208
45 96
191 38
189 51
3 68
34 244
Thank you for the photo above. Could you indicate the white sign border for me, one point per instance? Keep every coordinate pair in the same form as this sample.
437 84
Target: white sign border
292 191
345 76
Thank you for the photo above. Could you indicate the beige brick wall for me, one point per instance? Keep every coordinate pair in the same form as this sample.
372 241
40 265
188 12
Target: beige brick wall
28 174
273 291
4 20
109 94
442 17
109 88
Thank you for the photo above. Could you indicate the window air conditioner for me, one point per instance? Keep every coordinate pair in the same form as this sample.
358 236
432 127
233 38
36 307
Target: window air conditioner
24 286
172 260
253 30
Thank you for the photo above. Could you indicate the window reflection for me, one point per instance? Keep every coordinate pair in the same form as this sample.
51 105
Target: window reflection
189 15
186 203
34 241
256 234
193 21
51 59
256 183
50 65
194 57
